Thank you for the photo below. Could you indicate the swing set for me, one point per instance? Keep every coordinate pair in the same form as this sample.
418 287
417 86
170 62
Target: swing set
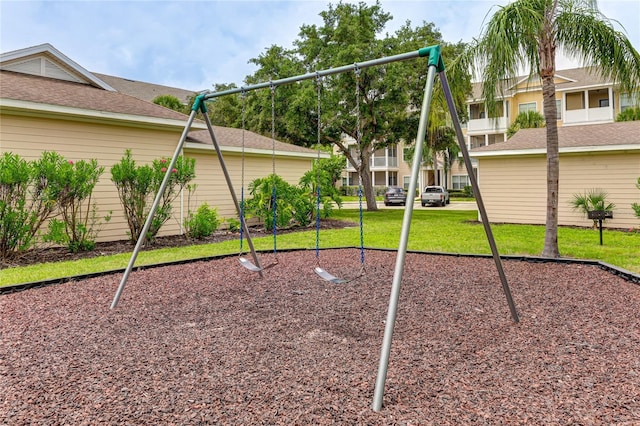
435 65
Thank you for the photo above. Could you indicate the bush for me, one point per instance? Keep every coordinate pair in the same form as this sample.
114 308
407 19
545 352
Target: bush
322 177
273 194
629 114
15 176
203 223
79 226
137 188
595 199
636 206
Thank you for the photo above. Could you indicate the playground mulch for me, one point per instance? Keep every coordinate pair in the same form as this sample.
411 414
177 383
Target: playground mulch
212 343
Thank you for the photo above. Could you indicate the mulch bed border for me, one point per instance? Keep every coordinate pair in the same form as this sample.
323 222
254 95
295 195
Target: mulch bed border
612 269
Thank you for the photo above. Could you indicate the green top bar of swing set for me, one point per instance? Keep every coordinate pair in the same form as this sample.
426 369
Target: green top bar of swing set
433 52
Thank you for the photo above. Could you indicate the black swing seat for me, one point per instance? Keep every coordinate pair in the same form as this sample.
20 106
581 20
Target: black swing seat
327 276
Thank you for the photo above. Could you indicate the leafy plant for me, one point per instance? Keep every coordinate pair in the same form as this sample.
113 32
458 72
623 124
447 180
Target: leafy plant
629 114
138 185
273 196
79 226
15 175
595 199
171 102
636 206
323 176
202 223
526 120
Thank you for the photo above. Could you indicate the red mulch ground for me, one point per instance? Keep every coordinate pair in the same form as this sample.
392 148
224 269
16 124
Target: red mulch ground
212 343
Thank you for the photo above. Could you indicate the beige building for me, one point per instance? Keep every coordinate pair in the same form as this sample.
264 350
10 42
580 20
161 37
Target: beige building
595 151
50 103
513 175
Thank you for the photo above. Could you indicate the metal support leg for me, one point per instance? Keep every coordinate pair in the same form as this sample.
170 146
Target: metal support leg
476 192
225 171
402 249
154 207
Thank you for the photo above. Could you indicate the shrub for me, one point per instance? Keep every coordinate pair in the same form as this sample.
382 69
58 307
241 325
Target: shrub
595 199
138 185
322 177
636 206
203 223
79 226
15 176
629 114
273 194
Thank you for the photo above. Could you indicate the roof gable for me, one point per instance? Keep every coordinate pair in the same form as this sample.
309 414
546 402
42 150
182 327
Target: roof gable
45 60
587 137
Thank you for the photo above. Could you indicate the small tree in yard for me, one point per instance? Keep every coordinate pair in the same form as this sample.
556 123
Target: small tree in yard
15 175
595 199
138 185
79 225
636 206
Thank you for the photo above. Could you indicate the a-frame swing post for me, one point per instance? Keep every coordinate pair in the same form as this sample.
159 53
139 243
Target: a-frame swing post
404 238
227 177
154 207
434 62
476 192
198 105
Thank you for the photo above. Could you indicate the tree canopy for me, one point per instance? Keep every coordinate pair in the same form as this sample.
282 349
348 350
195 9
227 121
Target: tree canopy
386 99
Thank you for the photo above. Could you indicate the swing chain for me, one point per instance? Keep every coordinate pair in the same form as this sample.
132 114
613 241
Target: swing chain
318 196
242 224
359 141
274 202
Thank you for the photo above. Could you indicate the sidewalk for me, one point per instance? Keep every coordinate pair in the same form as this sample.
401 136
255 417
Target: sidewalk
454 205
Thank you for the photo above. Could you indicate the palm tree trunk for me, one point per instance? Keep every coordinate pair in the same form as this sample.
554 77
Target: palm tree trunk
553 167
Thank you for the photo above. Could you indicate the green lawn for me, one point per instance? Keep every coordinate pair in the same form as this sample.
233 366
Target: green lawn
431 230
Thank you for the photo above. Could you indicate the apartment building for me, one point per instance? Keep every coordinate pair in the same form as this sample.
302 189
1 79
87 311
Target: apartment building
595 151
582 98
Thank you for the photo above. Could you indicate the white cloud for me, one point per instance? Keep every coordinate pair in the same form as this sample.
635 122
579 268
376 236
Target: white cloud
194 44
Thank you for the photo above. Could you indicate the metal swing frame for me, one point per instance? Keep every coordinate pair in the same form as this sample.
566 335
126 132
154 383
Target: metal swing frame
435 64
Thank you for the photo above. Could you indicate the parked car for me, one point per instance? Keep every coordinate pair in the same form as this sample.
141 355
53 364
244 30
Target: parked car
436 195
395 195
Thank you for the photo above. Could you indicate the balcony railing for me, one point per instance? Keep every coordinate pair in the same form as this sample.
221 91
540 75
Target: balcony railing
602 114
488 125
378 163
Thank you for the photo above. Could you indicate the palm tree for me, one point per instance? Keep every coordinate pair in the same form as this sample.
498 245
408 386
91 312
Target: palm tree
525 35
526 120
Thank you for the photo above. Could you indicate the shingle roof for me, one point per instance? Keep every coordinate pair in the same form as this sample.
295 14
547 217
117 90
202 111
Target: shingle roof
593 135
24 87
231 137
145 91
576 77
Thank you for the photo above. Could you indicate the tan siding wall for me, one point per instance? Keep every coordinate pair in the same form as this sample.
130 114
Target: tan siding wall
29 137
514 188
212 187
76 141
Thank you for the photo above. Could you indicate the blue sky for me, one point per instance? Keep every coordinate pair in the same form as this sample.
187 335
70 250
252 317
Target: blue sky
194 44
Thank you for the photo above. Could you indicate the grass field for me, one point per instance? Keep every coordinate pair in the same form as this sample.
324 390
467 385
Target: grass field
431 230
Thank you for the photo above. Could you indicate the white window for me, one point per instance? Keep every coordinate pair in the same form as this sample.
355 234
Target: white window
628 100
407 153
405 182
460 181
393 179
530 106
558 109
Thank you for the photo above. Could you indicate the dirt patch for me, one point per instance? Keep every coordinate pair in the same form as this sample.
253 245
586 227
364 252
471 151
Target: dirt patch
212 343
